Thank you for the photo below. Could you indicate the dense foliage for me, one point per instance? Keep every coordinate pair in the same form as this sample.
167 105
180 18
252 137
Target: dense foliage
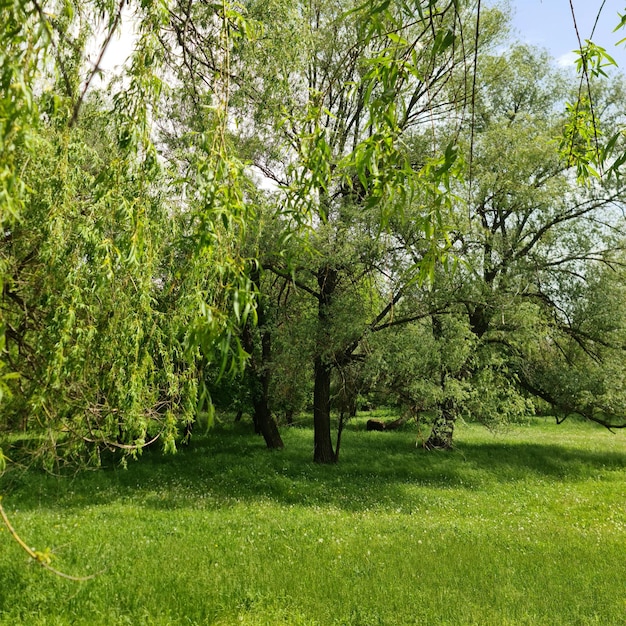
285 206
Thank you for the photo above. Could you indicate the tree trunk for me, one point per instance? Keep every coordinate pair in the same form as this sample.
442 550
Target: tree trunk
440 437
342 422
323 445
255 417
260 375
267 423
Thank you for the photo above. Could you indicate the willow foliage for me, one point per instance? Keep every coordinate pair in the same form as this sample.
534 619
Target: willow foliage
115 290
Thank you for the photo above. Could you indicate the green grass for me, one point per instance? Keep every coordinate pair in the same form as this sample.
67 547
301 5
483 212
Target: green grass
526 527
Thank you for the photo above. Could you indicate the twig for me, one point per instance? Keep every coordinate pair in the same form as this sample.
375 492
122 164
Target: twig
39 557
96 67
473 105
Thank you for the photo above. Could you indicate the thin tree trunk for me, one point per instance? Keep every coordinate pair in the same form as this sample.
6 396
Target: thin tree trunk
264 418
340 427
267 423
260 375
441 435
255 417
264 422
442 432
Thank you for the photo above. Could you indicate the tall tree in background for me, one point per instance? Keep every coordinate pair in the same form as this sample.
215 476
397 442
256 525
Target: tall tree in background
530 244
346 98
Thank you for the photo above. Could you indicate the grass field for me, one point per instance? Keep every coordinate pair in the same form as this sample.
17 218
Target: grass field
524 527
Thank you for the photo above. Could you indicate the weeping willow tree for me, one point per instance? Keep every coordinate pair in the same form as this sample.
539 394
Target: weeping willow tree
120 276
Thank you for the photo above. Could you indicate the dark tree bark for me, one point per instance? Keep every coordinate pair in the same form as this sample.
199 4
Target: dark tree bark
440 437
323 445
442 432
342 423
267 424
255 417
259 370
479 320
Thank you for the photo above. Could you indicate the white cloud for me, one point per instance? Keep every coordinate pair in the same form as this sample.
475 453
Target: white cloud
567 60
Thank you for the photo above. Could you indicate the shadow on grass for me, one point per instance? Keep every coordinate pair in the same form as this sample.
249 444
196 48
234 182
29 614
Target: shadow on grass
230 466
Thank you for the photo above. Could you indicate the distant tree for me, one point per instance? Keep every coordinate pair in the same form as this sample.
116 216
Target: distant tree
578 368
528 246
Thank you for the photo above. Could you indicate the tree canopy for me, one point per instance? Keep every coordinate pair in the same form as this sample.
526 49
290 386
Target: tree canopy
310 205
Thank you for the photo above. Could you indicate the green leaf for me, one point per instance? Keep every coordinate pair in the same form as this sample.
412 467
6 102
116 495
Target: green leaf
398 39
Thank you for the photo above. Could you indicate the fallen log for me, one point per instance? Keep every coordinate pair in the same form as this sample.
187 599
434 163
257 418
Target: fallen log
376 424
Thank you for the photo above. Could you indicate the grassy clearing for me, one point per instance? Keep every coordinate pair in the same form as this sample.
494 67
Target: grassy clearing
527 527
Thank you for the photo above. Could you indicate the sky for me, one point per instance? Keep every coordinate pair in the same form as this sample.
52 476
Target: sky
549 24
545 23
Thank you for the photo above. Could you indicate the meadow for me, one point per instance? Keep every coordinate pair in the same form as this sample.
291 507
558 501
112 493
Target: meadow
525 526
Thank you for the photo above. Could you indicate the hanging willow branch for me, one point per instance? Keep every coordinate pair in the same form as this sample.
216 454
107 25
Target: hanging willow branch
43 558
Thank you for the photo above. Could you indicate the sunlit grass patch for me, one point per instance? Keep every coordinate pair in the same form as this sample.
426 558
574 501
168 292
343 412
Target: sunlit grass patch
522 527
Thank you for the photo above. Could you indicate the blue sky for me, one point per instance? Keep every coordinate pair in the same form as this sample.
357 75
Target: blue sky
546 23
549 24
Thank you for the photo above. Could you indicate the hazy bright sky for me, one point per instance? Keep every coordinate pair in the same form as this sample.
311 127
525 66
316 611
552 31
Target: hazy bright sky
548 23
